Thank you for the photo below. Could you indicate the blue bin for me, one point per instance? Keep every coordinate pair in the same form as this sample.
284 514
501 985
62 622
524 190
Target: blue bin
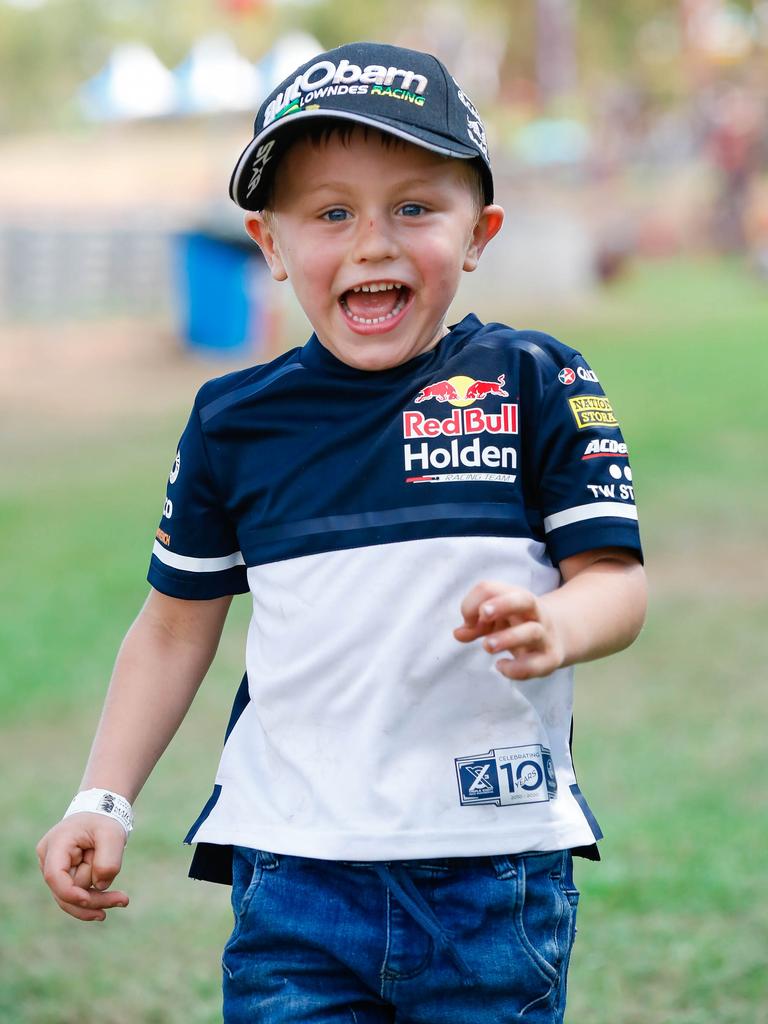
219 286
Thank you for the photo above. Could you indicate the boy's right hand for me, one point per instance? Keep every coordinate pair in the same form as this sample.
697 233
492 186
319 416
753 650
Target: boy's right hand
79 858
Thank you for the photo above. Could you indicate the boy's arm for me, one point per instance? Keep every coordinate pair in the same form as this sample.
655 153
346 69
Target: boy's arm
158 670
599 609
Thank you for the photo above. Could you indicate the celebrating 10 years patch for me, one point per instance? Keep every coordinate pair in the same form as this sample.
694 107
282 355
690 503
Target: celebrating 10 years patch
509 775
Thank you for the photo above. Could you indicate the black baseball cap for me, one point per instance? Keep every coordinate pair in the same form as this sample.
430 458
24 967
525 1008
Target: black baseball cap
403 92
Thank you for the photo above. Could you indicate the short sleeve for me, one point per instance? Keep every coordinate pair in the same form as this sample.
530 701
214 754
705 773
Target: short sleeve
196 554
586 493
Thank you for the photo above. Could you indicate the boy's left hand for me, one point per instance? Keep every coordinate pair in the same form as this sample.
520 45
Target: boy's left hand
512 619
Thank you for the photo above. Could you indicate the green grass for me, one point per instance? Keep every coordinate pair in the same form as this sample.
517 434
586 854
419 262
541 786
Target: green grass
669 745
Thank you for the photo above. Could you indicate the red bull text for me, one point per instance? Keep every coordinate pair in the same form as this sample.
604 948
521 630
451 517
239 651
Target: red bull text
458 456
461 421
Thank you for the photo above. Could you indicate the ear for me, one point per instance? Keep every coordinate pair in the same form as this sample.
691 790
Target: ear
488 224
263 234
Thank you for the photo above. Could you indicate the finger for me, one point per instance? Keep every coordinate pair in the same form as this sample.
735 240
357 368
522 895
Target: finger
468 633
80 913
82 875
45 846
97 909
528 637
80 858
56 867
470 606
72 892
465 633
94 903
110 838
527 666
40 851
514 603
105 900
486 627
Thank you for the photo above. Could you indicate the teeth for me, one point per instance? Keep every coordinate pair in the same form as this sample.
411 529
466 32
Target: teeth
380 286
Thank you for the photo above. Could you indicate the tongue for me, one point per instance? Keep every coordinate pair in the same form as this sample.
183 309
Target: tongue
370 305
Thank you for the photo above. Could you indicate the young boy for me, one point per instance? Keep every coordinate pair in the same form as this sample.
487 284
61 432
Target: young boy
396 810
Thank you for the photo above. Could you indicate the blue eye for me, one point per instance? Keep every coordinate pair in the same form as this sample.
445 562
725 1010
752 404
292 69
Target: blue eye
336 215
412 210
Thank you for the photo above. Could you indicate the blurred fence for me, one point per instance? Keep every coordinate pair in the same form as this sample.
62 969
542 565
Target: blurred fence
66 271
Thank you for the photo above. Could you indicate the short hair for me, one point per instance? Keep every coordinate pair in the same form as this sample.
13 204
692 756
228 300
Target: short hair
322 129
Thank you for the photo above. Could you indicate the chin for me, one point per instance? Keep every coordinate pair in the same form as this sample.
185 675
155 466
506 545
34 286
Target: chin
382 357
373 362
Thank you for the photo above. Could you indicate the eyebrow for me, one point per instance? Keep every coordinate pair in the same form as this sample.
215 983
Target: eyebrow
406 183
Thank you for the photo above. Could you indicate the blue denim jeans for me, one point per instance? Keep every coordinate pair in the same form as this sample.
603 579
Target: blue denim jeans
470 940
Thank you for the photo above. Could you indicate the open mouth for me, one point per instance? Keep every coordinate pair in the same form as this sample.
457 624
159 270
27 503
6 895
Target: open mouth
378 303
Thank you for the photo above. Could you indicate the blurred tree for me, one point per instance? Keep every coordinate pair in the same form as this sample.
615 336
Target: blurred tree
608 32
556 72
334 22
42 52
242 6
47 51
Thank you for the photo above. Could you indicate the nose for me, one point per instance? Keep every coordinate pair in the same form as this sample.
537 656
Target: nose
374 240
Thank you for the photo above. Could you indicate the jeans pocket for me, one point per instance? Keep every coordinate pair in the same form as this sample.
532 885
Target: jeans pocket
544 914
248 866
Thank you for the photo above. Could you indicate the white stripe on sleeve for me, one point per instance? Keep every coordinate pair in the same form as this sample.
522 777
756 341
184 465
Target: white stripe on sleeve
593 511
197 564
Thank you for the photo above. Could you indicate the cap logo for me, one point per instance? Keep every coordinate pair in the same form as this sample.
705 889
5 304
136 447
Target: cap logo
475 129
476 133
324 78
260 161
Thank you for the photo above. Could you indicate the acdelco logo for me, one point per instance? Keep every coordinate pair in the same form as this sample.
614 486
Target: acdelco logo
603 448
325 73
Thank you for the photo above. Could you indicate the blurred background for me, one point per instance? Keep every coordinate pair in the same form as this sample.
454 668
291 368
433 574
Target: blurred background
630 148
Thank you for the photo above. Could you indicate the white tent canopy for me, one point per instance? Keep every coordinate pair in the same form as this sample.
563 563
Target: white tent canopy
215 77
133 83
290 51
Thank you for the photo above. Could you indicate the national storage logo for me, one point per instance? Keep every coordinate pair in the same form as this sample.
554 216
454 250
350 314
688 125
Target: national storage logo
593 411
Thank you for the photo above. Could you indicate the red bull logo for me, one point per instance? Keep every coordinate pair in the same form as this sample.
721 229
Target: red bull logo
462 391
482 388
442 391
456 448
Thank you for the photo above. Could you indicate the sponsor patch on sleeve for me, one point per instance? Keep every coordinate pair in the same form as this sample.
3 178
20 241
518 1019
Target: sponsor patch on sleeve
592 411
174 474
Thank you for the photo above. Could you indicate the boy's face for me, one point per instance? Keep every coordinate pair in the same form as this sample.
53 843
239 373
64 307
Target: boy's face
373 237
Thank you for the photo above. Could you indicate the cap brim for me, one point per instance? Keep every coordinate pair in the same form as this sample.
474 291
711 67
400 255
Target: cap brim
253 198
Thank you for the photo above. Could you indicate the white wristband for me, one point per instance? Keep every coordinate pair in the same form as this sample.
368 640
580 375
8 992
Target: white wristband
103 801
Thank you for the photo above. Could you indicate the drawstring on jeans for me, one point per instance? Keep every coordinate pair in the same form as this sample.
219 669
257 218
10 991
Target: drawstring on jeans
402 886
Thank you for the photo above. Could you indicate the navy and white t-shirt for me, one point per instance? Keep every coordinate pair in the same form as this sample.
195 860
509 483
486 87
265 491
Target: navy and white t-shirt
359 508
